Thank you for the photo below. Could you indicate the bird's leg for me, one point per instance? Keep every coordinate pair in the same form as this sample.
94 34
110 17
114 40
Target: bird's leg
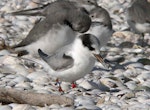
59 85
57 81
73 85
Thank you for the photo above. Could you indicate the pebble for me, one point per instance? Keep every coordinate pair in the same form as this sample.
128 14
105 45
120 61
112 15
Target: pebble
24 85
41 80
23 107
144 61
6 8
110 107
2 75
66 108
65 86
126 44
88 107
131 85
84 101
88 85
2 43
11 83
43 108
20 78
147 67
5 107
146 83
55 106
144 76
36 75
116 58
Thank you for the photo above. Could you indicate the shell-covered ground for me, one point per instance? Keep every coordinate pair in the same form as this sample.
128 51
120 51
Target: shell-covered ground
126 86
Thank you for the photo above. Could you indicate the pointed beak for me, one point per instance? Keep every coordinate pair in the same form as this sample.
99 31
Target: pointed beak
100 59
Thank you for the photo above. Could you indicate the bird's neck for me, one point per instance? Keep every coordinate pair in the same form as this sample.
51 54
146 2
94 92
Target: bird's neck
79 50
81 55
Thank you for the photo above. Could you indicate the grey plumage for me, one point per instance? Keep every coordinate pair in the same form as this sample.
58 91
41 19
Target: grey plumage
57 29
101 25
57 61
46 10
138 16
49 8
47 36
64 10
101 15
77 21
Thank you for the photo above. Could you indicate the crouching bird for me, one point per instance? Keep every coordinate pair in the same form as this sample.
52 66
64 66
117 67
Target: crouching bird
73 61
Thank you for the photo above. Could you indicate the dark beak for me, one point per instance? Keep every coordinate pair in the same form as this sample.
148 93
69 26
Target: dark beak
100 59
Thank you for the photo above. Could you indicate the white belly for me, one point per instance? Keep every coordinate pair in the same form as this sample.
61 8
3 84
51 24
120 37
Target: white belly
53 40
76 72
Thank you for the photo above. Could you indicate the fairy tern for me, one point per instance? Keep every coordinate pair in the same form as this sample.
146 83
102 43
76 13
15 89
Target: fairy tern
56 30
101 25
138 16
73 61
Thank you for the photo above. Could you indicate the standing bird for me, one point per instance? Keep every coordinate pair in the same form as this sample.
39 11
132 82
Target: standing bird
56 30
101 25
73 61
138 17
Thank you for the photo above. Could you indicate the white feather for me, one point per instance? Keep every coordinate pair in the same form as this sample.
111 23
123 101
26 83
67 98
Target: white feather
103 33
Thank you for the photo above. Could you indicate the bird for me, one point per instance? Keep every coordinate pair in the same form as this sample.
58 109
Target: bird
56 30
138 17
101 25
73 61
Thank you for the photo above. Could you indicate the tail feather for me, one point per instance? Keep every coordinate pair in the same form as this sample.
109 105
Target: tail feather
42 55
31 12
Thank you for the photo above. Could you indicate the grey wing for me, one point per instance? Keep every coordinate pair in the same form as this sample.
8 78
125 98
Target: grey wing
42 27
58 61
47 9
39 11
148 13
139 11
36 32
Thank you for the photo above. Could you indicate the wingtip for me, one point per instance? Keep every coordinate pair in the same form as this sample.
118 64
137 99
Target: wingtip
28 12
42 54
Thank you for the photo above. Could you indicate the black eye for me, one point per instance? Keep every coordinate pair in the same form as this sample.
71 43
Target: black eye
68 23
91 48
92 16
